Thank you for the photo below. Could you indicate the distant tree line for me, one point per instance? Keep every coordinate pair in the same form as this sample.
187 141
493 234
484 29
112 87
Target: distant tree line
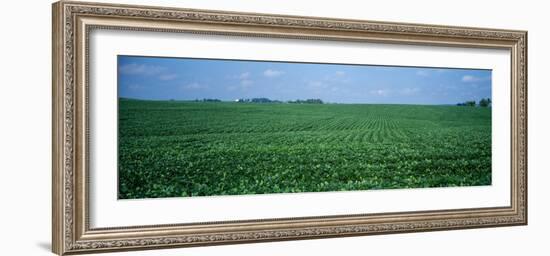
485 102
482 103
308 101
258 100
266 100
207 100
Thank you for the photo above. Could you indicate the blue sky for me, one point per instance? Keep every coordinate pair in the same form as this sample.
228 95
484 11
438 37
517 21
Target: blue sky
187 79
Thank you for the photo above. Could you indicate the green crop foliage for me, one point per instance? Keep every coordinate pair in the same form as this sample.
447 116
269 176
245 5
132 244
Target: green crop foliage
176 148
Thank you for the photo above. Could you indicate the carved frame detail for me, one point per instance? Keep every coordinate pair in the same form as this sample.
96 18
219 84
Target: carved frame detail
72 22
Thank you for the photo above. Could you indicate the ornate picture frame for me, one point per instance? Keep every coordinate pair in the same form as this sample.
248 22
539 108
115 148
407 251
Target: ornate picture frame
72 23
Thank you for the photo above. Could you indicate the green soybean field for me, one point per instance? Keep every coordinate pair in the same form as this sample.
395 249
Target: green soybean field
184 148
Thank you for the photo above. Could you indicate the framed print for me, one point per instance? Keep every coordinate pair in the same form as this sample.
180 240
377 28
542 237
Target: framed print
180 127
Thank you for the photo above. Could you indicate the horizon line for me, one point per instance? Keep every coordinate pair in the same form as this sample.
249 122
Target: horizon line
287 101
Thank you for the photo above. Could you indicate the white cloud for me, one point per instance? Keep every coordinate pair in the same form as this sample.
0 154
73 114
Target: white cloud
140 69
135 87
244 81
147 70
409 91
168 77
194 86
273 73
337 77
469 78
380 92
333 82
317 84
244 75
472 79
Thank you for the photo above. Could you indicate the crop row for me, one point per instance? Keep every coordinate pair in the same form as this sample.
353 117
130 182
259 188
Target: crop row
197 149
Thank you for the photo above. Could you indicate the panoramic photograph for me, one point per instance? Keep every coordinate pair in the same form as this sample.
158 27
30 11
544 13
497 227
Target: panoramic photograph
192 127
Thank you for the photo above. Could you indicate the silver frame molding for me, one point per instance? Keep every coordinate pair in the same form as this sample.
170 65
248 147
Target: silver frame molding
72 23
